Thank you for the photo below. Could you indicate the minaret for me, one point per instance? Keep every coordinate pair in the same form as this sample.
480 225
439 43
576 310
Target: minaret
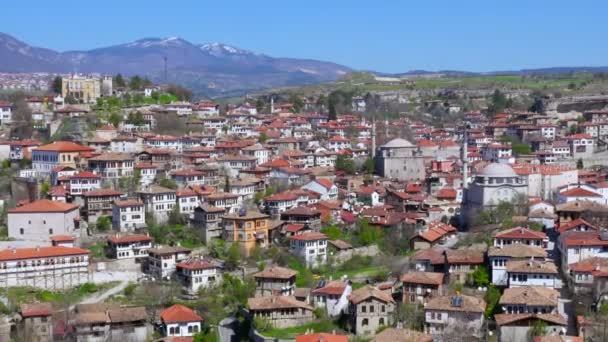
373 136
271 104
465 160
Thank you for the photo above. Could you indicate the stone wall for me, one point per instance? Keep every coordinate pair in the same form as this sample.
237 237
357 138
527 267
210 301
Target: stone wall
343 256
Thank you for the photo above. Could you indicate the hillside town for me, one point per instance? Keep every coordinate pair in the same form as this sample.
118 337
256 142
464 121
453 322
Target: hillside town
132 212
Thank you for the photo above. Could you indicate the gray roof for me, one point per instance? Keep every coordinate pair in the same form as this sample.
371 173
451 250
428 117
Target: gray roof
398 142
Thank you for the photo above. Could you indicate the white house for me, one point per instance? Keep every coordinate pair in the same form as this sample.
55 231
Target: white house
194 273
147 173
84 181
310 247
180 321
324 187
128 215
187 200
576 246
39 220
158 200
443 313
162 261
499 257
532 273
6 112
129 246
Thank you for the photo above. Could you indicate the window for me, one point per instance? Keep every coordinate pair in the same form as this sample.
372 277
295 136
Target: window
363 308
51 231
371 308
365 322
381 321
21 231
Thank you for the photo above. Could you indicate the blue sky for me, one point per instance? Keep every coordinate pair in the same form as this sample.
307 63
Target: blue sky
389 36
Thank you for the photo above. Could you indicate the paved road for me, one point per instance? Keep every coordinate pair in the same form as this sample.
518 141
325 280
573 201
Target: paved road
100 297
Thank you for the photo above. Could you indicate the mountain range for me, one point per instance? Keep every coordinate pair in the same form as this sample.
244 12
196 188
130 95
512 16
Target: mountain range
211 69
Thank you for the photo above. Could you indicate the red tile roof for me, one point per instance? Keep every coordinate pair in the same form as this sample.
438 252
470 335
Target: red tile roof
309 237
179 314
579 192
44 206
64 146
326 183
36 310
85 174
196 265
40 252
521 233
128 203
62 238
447 193
322 337
573 224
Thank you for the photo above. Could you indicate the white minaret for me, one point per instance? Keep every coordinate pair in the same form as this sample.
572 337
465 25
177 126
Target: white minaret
271 104
373 136
465 160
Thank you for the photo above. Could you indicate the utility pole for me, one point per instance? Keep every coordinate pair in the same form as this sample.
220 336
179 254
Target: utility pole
165 60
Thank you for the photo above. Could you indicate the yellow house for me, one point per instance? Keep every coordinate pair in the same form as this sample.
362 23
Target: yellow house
82 88
247 229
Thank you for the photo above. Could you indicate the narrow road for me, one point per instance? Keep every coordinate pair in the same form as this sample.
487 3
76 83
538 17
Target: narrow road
100 297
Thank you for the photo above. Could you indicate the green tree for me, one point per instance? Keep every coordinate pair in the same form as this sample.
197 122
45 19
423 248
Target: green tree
180 92
521 148
333 114
103 224
333 232
45 187
297 102
579 164
233 257
136 118
480 277
366 234
6 163
118 81
114 118
369 166
539 328
260 105
176 217
135 83
492 297
262 138
346 164
498 103
168 183
56 85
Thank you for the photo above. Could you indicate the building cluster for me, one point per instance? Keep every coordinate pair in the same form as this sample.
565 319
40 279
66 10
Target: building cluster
259 180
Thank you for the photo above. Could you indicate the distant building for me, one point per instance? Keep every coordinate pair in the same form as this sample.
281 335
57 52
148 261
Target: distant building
39 220
84 89
400 159
59 153
370 309
180 321
196 273
37 322
311 248
248 229
128 215
161 262
129 246
275 281
281 311
446 315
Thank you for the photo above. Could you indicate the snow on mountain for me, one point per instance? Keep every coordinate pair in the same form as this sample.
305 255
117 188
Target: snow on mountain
219 49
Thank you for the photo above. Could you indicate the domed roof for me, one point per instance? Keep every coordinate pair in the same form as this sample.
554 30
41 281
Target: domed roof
498 170
398 142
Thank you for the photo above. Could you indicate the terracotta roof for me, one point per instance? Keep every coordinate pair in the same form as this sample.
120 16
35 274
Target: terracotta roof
464 256
276 303
520 233
579 192
129 238
313 236
368 291
322 337
531 266
64 146
62 238
168 250
587 238
276 272
196 264
112 156
589 265
124 315
282 196
35 310
573 224
179 314
518 250
447 193
40 252
335 287
505 319
401 335
326 183
558 338
44 206
430 278
530 295
469 304
128 203
301 211
435 256
85 174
